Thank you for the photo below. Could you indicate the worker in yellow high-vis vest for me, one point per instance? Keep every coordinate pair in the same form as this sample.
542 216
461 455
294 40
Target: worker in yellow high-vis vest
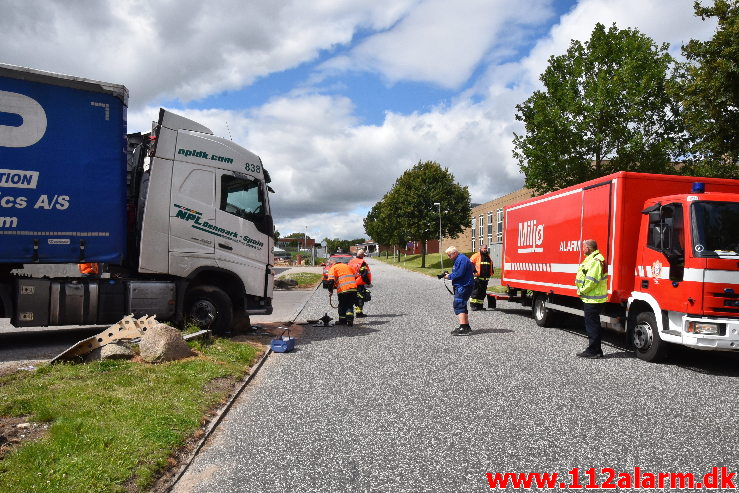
592 288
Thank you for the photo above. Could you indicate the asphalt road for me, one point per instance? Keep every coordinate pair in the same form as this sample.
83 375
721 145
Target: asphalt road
396 404
30 347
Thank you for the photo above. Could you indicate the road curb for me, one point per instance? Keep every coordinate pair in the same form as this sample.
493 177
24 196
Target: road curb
217 420
224 410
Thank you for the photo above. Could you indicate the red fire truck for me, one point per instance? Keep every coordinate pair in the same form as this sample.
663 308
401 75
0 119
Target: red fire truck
671 244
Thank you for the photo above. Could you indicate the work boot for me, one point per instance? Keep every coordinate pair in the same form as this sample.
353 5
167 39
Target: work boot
360 315
349 321
341 321
461 331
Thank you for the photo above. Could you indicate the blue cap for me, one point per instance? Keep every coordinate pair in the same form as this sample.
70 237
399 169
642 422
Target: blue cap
698 187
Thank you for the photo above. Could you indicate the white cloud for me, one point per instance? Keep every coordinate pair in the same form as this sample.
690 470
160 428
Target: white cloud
670 21
184 49
442 42
326 166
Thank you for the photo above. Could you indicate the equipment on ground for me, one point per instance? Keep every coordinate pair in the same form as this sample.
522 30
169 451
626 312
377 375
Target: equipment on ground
127 328
284 343
325 319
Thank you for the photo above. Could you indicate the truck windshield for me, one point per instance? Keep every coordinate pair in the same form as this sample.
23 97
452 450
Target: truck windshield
715 229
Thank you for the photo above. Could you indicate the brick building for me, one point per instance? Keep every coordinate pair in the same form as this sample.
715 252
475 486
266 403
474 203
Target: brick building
295 243
486 225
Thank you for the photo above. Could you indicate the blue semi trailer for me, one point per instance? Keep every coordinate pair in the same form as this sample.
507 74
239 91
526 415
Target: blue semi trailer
178 218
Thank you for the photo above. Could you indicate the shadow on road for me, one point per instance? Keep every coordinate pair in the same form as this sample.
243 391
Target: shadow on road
510 311
476 332
311 333
719 363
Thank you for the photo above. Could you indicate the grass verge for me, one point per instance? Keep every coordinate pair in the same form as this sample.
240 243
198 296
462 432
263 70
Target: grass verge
113 425
304 279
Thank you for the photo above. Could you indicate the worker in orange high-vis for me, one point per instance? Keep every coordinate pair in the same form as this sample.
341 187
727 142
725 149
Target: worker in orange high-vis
483 272
342 278
364 279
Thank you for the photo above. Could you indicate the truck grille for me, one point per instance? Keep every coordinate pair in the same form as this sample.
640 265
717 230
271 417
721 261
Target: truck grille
723 303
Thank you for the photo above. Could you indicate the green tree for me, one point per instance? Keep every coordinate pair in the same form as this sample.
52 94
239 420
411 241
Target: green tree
408 209
710 94
605 107
383 226
336 245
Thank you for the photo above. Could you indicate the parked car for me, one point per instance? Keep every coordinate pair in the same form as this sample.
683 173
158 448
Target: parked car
344 258
281 254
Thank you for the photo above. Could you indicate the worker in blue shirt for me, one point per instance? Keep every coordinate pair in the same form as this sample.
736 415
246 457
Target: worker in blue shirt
463 280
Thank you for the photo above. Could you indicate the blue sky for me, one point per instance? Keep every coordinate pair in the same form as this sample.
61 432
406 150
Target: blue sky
338 97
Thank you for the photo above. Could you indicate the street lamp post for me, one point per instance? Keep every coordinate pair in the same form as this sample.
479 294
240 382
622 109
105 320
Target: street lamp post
441 257
305 240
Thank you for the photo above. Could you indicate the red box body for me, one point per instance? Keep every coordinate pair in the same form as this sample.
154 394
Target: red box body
544 235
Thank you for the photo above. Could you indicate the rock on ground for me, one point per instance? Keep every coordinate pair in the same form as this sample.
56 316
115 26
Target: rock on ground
110 351
163 343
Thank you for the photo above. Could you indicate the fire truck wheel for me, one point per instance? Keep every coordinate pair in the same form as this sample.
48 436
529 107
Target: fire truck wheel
543 316
645 337
209 307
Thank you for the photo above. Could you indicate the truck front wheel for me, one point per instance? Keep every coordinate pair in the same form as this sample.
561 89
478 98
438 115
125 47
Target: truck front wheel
542 314
209 307
645 337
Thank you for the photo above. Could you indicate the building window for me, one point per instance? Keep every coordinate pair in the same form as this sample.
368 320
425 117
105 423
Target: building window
499 233
474 230
482 228
490 228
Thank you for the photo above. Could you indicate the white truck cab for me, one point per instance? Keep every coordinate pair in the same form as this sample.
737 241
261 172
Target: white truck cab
206 212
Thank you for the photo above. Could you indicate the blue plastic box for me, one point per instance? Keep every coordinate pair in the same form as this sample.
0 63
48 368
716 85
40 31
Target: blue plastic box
284 343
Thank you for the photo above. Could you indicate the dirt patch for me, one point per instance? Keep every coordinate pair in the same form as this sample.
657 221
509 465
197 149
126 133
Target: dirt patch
6 368
263 333
15 431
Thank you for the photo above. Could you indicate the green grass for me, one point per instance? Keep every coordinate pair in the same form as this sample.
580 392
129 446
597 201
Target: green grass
304 279
112 424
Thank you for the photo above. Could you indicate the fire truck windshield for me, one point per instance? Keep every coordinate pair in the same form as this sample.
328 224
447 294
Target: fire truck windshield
715 227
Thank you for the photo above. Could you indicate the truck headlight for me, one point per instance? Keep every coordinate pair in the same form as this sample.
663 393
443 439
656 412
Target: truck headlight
705 328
